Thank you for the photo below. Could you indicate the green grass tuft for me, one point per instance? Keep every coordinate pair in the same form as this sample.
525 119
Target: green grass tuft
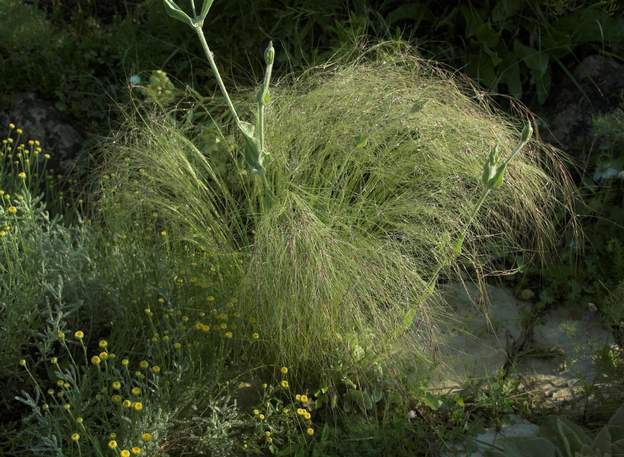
374 169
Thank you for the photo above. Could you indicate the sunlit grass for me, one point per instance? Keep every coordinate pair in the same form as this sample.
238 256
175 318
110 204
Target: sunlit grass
373 169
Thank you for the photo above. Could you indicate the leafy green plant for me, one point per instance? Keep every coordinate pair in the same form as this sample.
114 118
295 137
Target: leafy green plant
514 45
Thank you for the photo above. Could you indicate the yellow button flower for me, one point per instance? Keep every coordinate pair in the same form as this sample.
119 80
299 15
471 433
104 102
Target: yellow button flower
75 437
146 437
21 175
125 362
116 385
284 384
95 360
124 453
79 334
136 391
116 398
310 431
103 344
304 399
127 404
12 210
284 370
144 364
136 450
155 369
112 444
138 406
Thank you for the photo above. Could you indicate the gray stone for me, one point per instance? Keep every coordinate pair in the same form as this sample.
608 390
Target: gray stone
512 427
474 341
41 121
571 344
570 110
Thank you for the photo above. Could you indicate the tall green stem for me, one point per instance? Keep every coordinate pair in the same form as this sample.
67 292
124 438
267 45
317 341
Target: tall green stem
456 251
215 70
263 96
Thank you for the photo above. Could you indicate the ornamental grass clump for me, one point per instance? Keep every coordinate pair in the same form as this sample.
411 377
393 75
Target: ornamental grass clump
378 176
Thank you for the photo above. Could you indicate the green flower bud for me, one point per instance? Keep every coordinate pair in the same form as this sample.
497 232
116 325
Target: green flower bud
269 54
490 168
175 12
527 132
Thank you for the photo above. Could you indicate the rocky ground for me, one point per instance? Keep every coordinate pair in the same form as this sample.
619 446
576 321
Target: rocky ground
555 355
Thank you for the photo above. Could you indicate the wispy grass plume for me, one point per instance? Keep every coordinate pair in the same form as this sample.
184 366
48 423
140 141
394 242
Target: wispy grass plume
373 168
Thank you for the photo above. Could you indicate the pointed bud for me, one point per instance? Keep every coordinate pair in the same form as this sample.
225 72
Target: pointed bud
269 54
204 12
527 132
490 168
175 12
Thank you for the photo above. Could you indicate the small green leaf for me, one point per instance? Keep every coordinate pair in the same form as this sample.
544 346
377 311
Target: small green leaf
506 9
252 149
481 67
431 401
415 13
472 18
486 35
535 59
205 8
362 141
175 12
542 86
511 75
602 441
